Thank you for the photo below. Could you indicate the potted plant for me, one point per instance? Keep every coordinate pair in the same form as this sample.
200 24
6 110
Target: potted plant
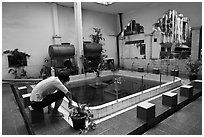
193 68
97 45
82 118
17 60
96 38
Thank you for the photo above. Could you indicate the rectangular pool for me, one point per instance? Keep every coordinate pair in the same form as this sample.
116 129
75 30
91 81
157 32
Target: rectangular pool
103 100
86 92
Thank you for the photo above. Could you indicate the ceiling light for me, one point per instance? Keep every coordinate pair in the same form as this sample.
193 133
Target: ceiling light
105 3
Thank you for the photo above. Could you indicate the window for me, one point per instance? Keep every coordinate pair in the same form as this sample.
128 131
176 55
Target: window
155 39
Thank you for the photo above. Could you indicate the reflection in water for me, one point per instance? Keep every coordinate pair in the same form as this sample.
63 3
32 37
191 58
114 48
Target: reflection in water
114 87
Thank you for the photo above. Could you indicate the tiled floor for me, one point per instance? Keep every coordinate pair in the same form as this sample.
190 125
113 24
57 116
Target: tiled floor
178 123
12 121
187 121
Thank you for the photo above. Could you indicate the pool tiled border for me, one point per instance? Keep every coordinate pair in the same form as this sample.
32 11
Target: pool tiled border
122 103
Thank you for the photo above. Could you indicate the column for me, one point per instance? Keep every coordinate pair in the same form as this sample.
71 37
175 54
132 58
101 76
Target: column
148 46
78 35
56 36
196 43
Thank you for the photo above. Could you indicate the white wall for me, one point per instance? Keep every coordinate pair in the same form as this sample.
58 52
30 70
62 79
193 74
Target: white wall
108 25
148 65
66 24
156 46
29 27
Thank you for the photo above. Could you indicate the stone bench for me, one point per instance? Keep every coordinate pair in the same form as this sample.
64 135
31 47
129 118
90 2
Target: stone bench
146 111
36 115
186 91
169 99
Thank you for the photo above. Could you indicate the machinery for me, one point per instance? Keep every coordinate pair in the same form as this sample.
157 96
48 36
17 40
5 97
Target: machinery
62 58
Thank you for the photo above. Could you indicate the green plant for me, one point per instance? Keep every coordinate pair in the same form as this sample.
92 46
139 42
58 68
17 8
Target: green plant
81 117
193 66
98 36
17 60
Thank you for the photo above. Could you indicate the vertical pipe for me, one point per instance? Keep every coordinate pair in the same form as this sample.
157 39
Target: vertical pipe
142 82
117 39
117 95
160 79
148 67
78 35
167 69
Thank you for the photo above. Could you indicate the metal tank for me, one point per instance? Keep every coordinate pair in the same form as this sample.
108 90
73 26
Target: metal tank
91 49
61 51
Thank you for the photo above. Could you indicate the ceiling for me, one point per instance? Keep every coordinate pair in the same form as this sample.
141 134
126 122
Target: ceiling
115 8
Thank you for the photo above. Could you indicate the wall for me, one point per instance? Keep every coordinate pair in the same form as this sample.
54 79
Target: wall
108 25
66 24
156 47
148 65
29 27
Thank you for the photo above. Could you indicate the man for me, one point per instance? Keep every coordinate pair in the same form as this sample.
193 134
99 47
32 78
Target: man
43 94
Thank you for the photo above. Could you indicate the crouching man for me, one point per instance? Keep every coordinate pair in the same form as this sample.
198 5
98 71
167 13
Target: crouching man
51 90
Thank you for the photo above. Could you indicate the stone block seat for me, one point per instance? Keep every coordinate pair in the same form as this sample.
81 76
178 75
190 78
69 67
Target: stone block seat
197 84
36 115
186 91
22 90
26 99
170 99
146 111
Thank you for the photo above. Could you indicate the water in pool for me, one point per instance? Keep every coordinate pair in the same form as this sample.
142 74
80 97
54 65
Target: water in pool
87 92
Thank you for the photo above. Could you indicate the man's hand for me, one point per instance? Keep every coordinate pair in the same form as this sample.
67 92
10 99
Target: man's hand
70 102
69 97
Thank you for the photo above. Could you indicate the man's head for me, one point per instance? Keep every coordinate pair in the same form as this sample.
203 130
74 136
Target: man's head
63 77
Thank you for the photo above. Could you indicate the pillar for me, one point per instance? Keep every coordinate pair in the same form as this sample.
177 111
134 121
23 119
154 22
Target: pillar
148 46
56 36
78 35
196 43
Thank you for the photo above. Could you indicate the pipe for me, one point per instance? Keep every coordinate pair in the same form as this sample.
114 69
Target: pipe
117 38
160 79
167 69
132 65
148 67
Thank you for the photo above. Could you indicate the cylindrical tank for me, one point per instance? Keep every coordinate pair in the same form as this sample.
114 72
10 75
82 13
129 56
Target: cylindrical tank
61 51
92 49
